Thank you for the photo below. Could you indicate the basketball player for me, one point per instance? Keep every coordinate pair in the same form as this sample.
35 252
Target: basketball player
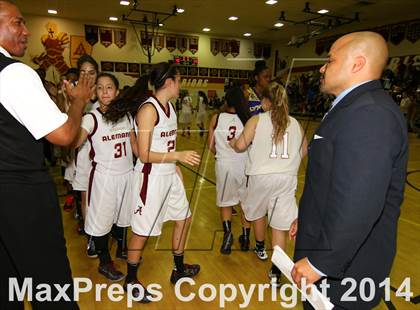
88 65
278 145
261 80
158 189
110 178
230 168
202 111
185 116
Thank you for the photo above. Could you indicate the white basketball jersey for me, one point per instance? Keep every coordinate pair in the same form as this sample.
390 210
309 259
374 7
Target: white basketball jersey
228 127
110 147
265 157
163 139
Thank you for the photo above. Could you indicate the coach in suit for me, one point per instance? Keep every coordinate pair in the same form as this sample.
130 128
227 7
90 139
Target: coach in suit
354 186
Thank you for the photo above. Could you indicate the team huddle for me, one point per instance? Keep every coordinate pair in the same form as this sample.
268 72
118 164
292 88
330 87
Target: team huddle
125 168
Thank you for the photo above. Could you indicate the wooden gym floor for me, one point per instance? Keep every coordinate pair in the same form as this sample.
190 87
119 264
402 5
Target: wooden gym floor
206 234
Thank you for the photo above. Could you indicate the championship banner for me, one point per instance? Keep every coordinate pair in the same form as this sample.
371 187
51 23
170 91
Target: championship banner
234 48
182 70
134 68
266 51
233 73
203 72
146 40
224 73
91 34
105 35
170 42
413 31
159 42
192 71
214 72
107 66
258 49
182 43
397 33
193 44
120 37
225 47
78 47
215 46
121 67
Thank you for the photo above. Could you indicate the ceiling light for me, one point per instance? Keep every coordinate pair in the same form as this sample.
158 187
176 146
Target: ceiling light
323 11
278 25
160 24
52 11
206 29
114 19
247 34
125 2
180 10
233 18
271 2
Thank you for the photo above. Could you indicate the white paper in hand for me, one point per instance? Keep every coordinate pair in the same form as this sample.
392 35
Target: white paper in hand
285 264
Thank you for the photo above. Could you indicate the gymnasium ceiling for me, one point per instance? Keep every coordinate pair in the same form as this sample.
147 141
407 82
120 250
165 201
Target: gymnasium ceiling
255 16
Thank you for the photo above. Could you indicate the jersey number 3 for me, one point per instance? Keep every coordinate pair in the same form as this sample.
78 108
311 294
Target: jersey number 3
232 132
285 154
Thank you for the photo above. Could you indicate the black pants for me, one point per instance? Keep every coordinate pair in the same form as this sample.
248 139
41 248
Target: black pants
32 243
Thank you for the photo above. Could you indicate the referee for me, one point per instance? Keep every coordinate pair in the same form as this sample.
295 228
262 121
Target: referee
32 243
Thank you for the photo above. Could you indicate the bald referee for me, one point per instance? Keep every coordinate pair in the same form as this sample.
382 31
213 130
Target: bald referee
32 242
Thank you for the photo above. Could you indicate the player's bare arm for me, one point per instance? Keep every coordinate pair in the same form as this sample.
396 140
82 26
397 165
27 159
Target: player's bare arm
304 145
78 96
242 143
210 139
146 119
133 142
80 138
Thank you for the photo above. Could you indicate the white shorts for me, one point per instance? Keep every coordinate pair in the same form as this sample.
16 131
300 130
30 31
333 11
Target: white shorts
69 172
157 199
201 118
230 183
81 179
108 202
185 117
272 194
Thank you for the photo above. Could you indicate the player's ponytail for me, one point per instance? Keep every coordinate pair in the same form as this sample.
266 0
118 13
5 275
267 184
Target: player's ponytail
279 110
131 100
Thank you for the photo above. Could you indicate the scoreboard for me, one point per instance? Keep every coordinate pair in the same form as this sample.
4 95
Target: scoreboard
185 60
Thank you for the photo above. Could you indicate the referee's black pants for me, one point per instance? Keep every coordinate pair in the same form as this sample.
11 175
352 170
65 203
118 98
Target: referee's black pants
32 244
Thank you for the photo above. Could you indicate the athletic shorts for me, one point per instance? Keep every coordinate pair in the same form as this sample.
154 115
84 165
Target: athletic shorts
108 202
272 195
230 183
157 199
81 179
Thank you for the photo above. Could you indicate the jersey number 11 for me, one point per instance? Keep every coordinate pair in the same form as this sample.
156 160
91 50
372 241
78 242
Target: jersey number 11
285 154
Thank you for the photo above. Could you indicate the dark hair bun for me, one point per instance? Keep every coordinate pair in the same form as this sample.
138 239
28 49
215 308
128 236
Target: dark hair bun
260 64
